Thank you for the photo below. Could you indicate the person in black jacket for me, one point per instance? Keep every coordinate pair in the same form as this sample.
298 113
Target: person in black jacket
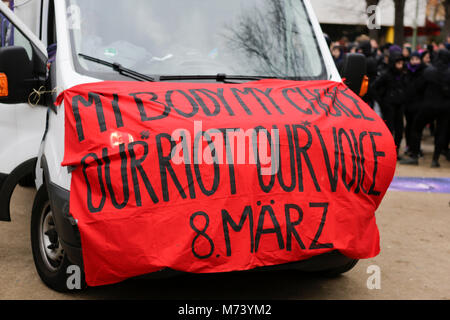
426 58
414 93
383 59
365 48
338 53
436 107
389 89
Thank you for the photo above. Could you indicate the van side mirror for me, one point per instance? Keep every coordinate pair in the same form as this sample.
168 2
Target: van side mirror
18 75
354 69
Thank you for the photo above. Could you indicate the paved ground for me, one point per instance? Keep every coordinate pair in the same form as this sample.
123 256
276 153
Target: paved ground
414 259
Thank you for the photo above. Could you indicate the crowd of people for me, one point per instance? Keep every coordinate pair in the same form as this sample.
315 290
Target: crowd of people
411 90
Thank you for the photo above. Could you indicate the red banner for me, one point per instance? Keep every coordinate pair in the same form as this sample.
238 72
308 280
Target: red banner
221 177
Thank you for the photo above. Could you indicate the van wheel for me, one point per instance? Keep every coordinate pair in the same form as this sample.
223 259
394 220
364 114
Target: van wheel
2 179
27 182
52 264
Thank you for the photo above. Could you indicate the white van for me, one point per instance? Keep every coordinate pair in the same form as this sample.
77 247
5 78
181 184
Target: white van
123 40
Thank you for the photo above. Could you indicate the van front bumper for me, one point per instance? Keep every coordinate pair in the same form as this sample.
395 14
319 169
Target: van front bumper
69 236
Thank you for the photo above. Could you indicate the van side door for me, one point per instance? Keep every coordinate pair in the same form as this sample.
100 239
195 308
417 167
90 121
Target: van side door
23 70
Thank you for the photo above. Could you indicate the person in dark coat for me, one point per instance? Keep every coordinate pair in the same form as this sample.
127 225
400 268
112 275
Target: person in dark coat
338 53
426 61
426 58
436 107
389 89
414 93
383 63
365 48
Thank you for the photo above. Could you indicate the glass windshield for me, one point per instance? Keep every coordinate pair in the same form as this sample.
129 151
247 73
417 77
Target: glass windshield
267 38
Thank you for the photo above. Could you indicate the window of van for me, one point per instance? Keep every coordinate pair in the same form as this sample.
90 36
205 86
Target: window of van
266 38
11 36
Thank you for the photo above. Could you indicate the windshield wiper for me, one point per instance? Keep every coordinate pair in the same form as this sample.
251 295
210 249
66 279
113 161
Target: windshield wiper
220 77
118 68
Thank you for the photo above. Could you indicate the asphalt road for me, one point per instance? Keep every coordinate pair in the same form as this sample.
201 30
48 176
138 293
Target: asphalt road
414 260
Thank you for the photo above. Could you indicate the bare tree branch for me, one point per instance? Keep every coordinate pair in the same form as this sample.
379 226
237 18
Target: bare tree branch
269 36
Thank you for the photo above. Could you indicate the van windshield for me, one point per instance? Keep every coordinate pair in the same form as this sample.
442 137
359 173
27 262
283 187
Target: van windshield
265 38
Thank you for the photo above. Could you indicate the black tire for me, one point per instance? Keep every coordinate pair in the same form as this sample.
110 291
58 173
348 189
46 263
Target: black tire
2 179
335 272
27 182
51 263
10 183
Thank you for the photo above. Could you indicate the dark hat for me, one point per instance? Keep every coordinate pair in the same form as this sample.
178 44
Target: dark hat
443 56
416 54
395 48
424 53
365 47
395 57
